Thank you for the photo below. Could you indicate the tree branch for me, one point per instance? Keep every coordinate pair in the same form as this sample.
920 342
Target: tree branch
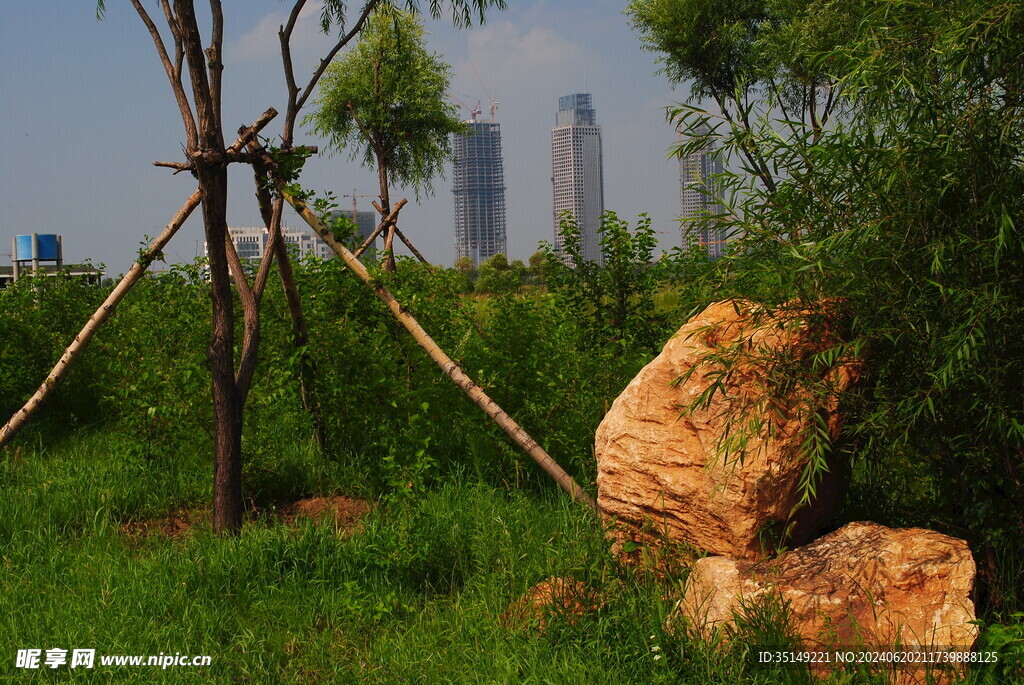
179 52
295 101
173 73
214 58
211 137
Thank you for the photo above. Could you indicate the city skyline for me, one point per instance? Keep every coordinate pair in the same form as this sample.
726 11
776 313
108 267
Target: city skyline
577 173
87 174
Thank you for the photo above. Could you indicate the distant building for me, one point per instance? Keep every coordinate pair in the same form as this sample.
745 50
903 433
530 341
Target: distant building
30 251
698 186
577 171
86 272
251 242
366 224
479 192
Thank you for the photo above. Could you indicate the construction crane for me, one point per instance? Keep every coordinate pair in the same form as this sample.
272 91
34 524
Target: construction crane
473 111
355 195
491 100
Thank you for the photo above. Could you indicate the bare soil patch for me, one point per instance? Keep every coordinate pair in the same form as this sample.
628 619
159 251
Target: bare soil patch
345 512
174 527
551 597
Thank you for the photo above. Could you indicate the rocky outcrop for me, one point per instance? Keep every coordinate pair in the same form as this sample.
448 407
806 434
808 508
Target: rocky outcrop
660 467
863 585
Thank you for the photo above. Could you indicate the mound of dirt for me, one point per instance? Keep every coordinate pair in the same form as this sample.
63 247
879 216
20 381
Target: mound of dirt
551 597
346 512
174 527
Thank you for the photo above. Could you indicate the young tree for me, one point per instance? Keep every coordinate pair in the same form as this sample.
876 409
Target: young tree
385 101
467 270
497 275
207 158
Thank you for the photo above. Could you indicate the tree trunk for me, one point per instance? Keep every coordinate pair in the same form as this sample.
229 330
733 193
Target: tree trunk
451 369
385 206
227 410
213 186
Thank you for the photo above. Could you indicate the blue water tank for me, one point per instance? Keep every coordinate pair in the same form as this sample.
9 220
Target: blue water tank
49 247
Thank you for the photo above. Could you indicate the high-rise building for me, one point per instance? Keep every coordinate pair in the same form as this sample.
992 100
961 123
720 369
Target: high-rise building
698 187
577 171
479 191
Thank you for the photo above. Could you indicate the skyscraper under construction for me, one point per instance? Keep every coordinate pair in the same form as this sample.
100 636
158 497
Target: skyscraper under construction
479 191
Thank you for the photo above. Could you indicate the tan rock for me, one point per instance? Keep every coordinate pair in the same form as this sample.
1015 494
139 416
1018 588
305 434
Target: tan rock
661 469
863 585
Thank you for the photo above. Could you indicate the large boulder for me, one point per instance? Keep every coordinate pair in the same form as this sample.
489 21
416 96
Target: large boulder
662 469
863 585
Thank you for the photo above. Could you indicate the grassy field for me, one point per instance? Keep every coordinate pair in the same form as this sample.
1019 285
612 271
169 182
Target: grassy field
413 594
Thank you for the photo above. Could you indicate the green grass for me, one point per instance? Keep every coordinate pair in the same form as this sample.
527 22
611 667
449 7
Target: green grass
415 596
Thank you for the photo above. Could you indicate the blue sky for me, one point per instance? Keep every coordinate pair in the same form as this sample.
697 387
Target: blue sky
85 108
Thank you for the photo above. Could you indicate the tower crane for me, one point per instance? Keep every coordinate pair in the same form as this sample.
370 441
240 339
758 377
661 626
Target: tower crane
473 111
491 100
355 195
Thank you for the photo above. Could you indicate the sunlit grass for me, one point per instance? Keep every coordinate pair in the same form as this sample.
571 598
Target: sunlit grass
414 595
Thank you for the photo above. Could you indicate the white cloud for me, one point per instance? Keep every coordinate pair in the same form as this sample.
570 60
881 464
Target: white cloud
262 40
505 53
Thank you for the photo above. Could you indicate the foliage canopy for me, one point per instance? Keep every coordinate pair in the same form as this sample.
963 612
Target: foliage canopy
905 206
385 101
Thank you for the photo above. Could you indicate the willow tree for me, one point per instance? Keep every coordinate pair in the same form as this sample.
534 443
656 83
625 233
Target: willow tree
385 102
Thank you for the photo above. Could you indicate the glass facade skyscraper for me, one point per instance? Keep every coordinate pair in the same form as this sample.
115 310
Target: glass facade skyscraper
697 189
577 173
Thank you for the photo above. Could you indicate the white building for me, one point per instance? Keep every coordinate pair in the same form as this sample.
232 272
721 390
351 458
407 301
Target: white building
698 187
577 171
251 242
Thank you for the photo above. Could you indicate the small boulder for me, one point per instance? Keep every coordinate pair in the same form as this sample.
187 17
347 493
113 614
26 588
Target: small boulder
551 597
862 585
659 468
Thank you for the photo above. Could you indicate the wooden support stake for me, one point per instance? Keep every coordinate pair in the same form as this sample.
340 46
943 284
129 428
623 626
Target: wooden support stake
409 245
22 416
385 222
451 369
